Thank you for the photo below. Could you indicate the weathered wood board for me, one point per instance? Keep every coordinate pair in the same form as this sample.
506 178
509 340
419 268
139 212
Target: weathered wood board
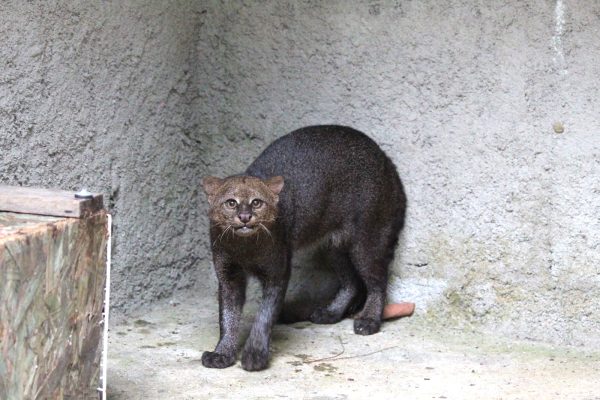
47 202
52 280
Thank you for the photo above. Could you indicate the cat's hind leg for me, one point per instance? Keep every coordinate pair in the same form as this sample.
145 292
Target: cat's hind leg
371 259
348 293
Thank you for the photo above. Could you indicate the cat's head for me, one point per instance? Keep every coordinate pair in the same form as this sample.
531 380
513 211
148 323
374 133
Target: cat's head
244 205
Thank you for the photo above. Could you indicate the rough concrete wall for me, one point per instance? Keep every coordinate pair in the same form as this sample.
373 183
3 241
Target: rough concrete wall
140 100
101 95
503 226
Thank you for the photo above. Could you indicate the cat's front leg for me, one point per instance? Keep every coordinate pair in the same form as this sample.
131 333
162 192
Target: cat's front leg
255 355
232 291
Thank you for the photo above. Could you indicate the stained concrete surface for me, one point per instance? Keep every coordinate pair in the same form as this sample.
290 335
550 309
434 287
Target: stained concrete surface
156 355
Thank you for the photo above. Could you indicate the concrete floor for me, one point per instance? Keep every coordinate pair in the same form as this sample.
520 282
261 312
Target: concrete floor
156 355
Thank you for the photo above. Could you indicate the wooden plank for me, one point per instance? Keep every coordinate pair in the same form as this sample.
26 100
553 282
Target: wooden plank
60 203
52 279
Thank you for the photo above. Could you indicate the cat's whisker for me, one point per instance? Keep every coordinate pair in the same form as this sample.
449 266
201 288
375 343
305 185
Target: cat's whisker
218 238
267 231
222 234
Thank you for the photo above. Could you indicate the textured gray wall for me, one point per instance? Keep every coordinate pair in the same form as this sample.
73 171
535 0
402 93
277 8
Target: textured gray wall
503 226
102 95
141 100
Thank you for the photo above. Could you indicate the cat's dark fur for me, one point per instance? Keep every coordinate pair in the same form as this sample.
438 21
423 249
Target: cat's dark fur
326 185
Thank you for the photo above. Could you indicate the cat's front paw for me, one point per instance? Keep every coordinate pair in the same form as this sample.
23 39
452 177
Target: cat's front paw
255 359
366 326
211 359
323 316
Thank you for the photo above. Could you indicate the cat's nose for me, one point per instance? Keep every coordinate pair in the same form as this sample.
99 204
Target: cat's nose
245 217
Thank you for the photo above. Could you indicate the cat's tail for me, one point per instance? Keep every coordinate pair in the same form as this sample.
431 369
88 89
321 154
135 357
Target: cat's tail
292 313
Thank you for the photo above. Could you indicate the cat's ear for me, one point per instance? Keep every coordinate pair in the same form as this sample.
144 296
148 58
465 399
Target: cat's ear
275 183
211 184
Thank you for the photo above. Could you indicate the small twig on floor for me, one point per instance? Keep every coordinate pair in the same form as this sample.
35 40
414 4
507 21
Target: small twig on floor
337 357
330 357
366 354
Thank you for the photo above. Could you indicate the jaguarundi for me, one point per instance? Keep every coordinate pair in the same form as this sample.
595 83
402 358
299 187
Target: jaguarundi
328 187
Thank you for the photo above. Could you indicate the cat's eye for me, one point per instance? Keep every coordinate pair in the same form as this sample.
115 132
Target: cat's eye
231 203
256 203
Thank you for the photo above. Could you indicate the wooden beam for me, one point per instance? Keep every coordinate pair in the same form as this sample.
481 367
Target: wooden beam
52 202
52 287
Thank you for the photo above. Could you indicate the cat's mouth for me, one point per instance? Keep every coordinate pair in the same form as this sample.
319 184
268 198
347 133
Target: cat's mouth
244 230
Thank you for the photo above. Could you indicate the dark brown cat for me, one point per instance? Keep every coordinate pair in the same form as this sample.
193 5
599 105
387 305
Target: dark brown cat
325 186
